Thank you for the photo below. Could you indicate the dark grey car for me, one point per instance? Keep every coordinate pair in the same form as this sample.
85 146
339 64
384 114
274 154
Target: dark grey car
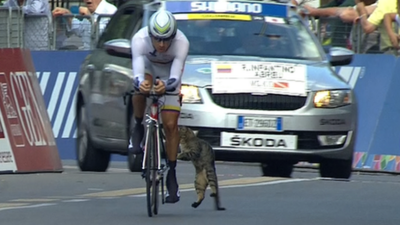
257 86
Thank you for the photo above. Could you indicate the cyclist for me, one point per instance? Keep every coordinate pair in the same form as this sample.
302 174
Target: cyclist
160 50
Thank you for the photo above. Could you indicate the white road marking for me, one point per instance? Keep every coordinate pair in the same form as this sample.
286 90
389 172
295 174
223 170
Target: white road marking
108 198
28 206
115 170
76 200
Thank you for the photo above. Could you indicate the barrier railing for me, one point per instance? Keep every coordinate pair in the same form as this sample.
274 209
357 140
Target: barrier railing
37 32
11 27
347 35
40 32
69 37
74 32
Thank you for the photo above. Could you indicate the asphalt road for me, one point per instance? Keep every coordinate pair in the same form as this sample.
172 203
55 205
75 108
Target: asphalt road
117 197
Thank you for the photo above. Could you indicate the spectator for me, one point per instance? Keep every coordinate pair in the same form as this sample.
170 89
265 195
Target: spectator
350 14
388 22
83 28
347 14
375 21
37 22
340 30
367 43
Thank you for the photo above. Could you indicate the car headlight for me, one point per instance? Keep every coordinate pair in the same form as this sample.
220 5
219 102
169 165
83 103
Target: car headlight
332 99
190 94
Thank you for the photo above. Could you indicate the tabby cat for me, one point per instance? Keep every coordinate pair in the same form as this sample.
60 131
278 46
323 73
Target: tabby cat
202 156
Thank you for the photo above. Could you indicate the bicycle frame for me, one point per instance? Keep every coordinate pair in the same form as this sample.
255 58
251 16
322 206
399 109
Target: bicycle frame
153 120
152 167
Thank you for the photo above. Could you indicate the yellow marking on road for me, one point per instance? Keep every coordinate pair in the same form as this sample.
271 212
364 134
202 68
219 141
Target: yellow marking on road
9 205
248 180
35 200
137 191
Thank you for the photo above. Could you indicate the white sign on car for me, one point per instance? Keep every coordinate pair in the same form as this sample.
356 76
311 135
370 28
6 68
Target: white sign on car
258 141
259 78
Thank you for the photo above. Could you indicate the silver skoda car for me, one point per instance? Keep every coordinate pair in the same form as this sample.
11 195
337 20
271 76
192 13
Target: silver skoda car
257 86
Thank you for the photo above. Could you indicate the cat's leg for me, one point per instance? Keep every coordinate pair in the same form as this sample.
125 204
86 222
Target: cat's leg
212 179
200 184
188 154
184 156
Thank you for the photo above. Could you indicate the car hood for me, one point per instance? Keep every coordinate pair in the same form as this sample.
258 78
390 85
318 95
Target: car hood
320 76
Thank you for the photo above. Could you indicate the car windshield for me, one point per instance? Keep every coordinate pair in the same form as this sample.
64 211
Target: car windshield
249 36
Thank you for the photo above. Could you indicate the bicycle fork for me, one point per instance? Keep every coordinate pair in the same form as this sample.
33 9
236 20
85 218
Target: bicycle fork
153 126
151 122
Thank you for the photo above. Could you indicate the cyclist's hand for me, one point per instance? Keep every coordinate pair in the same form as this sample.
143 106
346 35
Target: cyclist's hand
159 88
145 87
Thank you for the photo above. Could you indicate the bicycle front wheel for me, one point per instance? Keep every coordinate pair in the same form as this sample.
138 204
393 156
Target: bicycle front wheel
155 185
155 177
149 153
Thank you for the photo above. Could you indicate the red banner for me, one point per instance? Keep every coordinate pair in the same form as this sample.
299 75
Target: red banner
24 113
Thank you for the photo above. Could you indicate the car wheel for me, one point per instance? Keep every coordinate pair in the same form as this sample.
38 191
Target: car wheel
88 157
277 169
336 168
135 162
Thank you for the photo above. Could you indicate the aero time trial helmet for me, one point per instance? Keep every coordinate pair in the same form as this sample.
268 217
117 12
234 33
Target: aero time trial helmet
162 25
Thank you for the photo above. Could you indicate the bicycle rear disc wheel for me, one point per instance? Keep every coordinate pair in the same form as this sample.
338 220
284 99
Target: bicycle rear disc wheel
149 169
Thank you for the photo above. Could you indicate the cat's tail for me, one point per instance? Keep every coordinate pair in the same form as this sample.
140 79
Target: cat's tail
213 181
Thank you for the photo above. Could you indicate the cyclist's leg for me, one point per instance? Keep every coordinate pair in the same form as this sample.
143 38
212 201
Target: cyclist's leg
139 107
170 115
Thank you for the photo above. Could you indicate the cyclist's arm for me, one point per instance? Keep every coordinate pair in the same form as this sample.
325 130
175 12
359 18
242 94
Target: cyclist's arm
138 49
182 50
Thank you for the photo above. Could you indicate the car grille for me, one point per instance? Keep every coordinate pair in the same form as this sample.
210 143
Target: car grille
258 102
305 139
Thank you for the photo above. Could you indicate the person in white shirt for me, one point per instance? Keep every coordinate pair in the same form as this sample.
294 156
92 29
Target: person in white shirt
83 28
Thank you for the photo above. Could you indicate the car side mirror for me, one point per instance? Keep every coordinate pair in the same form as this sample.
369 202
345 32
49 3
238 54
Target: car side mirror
117 80
339 56
119 47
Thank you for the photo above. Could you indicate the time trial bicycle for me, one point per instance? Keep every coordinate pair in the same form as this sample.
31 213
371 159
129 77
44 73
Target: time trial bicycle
154 150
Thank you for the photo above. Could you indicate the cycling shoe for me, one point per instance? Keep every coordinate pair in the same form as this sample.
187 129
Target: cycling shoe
172 195
136 139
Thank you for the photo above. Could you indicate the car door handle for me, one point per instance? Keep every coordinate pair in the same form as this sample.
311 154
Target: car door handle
90 68
107 70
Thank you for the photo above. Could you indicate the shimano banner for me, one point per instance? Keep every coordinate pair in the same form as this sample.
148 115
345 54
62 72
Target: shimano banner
378 139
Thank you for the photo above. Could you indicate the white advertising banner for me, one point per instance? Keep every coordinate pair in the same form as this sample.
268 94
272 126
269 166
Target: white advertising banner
7 160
